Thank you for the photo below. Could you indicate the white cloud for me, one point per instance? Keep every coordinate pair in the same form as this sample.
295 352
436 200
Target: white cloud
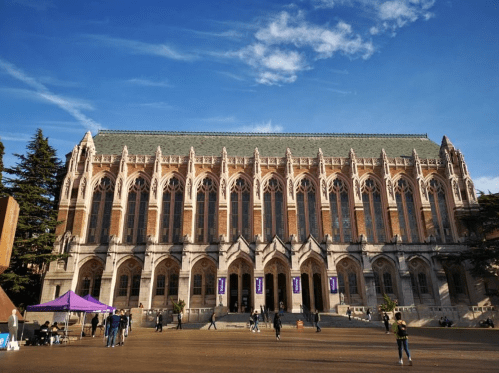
149 83
394 14
71 106
487 183
138 47
264 127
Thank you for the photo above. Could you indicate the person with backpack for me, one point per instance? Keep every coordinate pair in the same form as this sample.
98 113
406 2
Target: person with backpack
399 328
277 326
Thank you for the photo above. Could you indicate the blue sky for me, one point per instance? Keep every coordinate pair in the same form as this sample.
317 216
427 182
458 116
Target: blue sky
362 66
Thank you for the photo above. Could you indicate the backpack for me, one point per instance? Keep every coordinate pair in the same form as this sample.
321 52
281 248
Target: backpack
402 330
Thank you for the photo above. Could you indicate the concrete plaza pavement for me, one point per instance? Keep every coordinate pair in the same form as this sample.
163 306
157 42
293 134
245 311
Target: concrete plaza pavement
238 350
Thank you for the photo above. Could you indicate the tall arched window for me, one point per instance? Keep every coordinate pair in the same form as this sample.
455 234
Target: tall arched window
100 214
206 208
171 220
439 212
420 282
307 210
89 279
166 284
128 284
373 211
136 217
340 211
273 209
348 281
384 277
406 211
204 273
240 209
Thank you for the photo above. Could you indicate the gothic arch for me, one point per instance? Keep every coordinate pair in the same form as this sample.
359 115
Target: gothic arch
130 180
128 278
386 279
350 280
421 282
240 286
165 282
277 282
100 175
165 179
90 276
313 283
342 227
203 283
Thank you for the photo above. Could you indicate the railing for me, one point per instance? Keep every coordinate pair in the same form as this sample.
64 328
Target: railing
482 308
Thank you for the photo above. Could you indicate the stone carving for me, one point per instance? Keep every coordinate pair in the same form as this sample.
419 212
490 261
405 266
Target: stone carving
223 188
324 188
258 189
66 188
119 187
155 188
471 191
290 188
83 187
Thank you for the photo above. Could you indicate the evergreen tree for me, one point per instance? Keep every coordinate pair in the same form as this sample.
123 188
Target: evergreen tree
34 185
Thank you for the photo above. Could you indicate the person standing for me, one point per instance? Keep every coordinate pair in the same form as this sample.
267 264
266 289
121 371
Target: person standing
130 322
399 328
159 322
277 326
95 322
107 326
349 313
114 324
386 320
368 313
179 319
13 324
122 328
212 321
317 318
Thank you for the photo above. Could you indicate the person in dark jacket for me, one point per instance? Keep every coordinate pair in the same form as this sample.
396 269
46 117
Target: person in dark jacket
212 321
159 322
386 320
179 319
114 324
95 322
317 318
277 326
255 321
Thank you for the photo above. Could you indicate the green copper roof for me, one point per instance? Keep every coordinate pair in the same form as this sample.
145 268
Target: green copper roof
268 144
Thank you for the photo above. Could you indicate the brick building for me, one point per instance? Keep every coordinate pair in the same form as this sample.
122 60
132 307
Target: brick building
243 220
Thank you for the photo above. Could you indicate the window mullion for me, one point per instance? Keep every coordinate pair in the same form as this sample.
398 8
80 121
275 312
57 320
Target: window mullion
439 217
373 217
273 217
172 216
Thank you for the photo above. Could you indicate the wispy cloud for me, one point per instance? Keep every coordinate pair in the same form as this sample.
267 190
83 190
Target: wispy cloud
230 119
230 34
73 107
342 92
157 105
149 83
13 136
138 47
264 127
284 45
487 183
233 76
35 4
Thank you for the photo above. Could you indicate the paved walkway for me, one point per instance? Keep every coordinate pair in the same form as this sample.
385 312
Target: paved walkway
238 350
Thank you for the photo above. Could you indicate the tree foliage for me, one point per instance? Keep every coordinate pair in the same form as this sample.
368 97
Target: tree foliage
178 307
483 238
389 305
34 183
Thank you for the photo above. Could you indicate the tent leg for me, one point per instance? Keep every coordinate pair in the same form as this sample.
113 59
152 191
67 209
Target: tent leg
82 325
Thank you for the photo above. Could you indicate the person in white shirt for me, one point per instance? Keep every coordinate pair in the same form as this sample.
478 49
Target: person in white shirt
13 323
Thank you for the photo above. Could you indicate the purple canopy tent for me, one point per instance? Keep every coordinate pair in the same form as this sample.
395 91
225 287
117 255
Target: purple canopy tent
93 300
68 302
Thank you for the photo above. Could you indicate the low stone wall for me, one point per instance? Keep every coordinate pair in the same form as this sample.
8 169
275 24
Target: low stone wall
422 315
147 317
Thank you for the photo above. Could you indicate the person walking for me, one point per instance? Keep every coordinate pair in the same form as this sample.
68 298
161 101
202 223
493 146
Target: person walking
95 322
255 321
179 319
114 324
399 328
277 326
122 328
159 322
13 324
386 320
317 318
349 313
212 321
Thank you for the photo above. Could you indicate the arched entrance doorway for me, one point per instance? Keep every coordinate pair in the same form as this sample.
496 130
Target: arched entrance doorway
240 292
312 277
127 287
276 280
89 279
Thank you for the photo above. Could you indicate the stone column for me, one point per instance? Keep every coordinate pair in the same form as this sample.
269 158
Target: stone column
440 286
406 297
296 299
370 288
259 298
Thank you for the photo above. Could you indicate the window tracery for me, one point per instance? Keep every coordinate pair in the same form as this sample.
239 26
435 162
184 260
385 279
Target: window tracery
420 281
203 289
406 209
373 211
240 209
206 208
439 212
128 289
273 207
384 276
172 214
90 277
166 284
136 217
348 281
340 211
100 213
307 210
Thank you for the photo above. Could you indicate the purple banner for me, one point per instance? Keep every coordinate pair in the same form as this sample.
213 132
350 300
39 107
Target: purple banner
296 285
333 284
221 285
259 285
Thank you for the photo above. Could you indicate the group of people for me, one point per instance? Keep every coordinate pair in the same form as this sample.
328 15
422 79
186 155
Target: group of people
117 325
49 334
159 321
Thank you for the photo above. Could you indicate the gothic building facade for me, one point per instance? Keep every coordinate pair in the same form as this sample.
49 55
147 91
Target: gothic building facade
282 220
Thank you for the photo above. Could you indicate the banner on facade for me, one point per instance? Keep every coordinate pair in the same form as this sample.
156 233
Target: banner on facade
333 284
221 285
259 285
296 285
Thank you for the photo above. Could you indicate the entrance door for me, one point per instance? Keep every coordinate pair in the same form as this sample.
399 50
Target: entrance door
246 293
269 291
234 283
281 289
305 292
319 305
